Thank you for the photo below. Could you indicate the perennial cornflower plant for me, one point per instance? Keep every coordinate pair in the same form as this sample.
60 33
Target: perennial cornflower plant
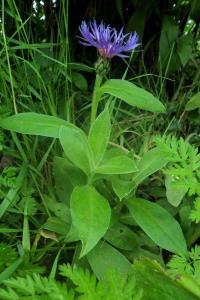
89 210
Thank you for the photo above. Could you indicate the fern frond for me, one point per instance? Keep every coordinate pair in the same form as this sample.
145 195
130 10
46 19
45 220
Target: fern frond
8 255
84 281
115 286
120 287
178 150
184 162
179 265
8 294
31 205
34 287
195 212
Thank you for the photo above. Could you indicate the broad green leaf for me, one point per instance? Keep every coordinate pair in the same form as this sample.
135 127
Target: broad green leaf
158 224
63 184
184 48
99 135
191 283
76 148
156 284
132 95
72 236
116 163
104 258
122 187
80 81
151 162
59 209
66 177
56 225
194 102
90 213
35 124
122 237
175 190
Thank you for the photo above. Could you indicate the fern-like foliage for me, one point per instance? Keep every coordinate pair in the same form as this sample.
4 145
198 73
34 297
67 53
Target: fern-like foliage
179 265
35 287
30 203
178 150
8 255
195 212
7 180
85 282
184 162
87 287
115 286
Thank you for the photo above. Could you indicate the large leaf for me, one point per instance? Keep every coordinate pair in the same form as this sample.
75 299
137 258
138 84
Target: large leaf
175 190
132 95
57 226
76 147
90 213
121 186
66 177
194 102
99 135
156 284
117 165
79 81
184 48
158 224
122 237
104 258
35 124
191 283
151 162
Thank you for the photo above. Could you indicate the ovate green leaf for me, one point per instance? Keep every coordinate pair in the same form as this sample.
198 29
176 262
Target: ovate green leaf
76 147
104 258
158 224
117 165
99 135
36 124
194 102
151 162
132 95
155 283
90 213
175 190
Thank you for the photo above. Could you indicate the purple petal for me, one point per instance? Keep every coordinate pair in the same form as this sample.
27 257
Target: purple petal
107 40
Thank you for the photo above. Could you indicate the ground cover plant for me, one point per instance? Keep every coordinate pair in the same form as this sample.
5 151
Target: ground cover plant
99 137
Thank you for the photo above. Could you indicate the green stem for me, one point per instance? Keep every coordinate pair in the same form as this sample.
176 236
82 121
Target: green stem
95 98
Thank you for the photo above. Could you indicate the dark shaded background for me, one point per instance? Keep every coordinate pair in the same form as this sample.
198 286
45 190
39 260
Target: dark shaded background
144 16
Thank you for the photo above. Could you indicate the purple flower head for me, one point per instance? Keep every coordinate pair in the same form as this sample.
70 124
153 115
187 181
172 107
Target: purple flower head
107 40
